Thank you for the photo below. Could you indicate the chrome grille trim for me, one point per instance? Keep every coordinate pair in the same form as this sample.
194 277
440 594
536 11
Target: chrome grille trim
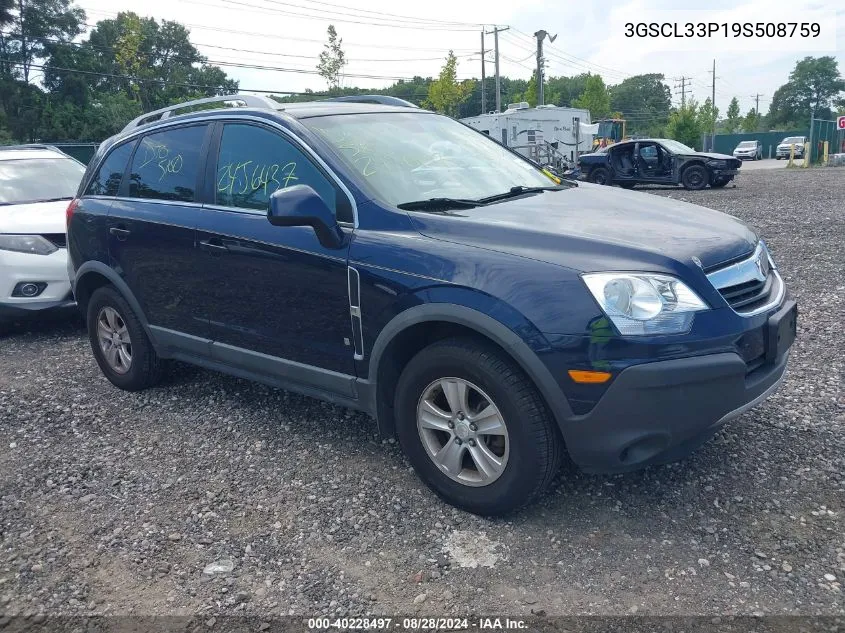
758 271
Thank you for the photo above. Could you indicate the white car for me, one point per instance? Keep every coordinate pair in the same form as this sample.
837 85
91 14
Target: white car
749 149
36 185
786 146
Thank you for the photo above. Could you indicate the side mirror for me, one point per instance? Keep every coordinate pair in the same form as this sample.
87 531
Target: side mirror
300 205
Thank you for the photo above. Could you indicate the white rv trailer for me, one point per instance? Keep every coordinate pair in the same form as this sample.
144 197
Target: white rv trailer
531 131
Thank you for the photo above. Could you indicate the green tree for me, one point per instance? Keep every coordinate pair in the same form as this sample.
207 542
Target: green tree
595 98
34 25
708 114
734 118
332 59
645 100
446 93
813 87
685 124
565 90
530 94
751 122
6 11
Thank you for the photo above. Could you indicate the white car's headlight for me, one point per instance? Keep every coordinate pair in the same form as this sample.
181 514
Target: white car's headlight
34 244
645 303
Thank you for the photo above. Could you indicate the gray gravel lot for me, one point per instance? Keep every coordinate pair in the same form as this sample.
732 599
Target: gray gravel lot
112 502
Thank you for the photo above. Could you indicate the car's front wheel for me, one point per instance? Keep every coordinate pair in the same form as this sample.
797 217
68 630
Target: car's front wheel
474 427
600 176
695 177
121 347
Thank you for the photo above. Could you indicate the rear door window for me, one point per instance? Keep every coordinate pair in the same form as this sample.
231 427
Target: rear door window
254 162
166 165
107 180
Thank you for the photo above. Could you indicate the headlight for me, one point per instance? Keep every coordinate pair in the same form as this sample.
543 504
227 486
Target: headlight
34 244
645 303
718 164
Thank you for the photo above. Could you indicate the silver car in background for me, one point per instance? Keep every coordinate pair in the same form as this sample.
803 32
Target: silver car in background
749 149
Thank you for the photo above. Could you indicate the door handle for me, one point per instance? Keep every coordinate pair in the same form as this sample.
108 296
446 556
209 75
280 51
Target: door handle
119 232
214 245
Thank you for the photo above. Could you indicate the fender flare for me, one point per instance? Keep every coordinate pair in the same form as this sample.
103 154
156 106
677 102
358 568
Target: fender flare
484 325
97 267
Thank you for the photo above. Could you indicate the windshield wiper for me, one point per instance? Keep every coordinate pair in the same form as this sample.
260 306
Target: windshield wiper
521 190
2 204
438 204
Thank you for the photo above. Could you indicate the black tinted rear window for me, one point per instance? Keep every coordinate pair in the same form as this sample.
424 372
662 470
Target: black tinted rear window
166 164
107 180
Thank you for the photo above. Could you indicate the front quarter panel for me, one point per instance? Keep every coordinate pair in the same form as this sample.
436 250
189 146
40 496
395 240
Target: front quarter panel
401 269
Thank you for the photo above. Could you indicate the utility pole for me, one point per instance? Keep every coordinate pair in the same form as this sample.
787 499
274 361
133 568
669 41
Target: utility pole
713 109
541 35
483 76
757 103
682 84
495 33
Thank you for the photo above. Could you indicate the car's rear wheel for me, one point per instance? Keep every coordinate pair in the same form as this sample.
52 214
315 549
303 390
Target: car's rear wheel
695 177
474 427
121 347
600 176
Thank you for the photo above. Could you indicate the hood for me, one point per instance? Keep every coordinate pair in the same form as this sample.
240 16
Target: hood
37 218
713 156
593 227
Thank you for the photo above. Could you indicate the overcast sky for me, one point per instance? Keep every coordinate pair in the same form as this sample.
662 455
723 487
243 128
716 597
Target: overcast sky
589 38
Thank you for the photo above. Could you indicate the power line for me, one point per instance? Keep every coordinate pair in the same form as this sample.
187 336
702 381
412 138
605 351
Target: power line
333 18
203 27
421 22
681 85
167 82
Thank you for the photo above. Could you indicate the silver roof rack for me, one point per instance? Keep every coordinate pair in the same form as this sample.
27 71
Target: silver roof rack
231 101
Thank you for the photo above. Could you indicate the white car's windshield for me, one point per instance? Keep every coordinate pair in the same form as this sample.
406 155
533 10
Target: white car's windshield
676 147
748 144
38 179
407 157
792 139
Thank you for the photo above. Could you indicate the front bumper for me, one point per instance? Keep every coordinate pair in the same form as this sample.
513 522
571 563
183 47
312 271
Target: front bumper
784 153
657 412
26 267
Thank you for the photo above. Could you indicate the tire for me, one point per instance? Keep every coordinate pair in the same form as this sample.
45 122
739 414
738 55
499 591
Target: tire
627 185
143 368
695 177
721 182
530 450
600 176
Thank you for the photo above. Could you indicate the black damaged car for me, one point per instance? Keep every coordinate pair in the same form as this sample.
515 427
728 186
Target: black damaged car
658 161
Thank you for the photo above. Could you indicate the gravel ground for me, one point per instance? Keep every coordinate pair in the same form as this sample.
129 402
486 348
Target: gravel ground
112 502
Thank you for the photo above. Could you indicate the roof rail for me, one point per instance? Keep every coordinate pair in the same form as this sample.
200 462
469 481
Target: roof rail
236 101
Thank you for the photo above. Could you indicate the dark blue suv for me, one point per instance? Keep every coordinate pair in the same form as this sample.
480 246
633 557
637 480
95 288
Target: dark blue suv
398 262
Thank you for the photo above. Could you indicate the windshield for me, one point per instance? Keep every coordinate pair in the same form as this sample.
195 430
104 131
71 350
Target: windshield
793 139
748 144
676 147
407 157
36 179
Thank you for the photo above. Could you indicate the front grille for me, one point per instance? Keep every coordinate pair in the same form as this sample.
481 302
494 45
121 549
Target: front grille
59 240
751 285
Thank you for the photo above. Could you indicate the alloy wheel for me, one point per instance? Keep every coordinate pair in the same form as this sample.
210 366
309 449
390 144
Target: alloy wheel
463 431
115 343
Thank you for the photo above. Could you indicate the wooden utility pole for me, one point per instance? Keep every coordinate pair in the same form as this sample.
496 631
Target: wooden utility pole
495 33
483 76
